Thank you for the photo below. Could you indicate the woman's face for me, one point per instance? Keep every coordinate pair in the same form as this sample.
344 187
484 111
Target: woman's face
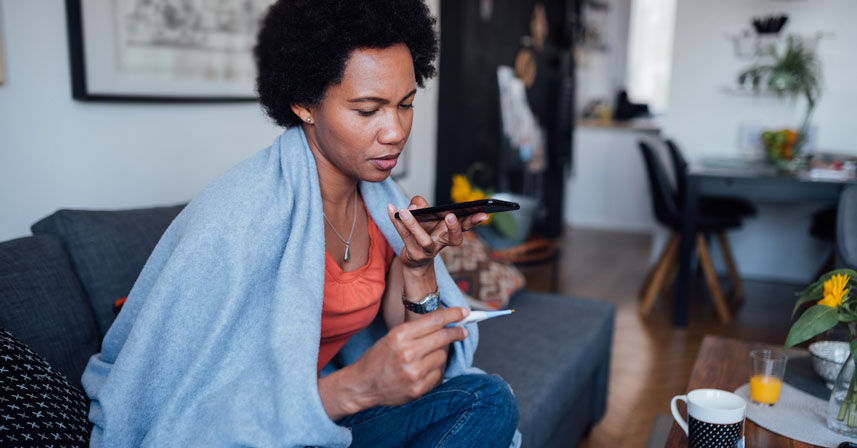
362 124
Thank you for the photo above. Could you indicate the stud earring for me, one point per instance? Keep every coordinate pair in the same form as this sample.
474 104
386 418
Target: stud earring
308 120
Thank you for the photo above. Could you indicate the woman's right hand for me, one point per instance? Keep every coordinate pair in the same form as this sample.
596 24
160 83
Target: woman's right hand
400 367
408 361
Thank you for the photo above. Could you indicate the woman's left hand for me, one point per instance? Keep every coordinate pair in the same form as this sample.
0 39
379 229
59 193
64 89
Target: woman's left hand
424 240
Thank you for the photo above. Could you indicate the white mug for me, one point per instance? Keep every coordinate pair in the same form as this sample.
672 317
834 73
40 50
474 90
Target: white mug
715 418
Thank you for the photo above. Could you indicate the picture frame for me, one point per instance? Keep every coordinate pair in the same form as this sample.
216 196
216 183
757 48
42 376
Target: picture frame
136 50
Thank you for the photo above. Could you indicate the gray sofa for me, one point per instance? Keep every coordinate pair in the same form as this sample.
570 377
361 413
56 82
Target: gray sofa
58 286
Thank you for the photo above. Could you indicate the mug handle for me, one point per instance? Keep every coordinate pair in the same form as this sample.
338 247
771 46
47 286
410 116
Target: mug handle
676 415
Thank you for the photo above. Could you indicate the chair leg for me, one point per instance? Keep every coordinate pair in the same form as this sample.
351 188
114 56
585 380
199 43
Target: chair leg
669 280
711 279
734 278
650 292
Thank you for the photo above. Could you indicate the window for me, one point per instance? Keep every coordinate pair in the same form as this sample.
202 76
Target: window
650 43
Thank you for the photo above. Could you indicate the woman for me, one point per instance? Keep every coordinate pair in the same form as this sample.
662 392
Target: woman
287 305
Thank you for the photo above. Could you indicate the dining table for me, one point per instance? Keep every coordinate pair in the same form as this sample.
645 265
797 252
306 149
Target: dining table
754 180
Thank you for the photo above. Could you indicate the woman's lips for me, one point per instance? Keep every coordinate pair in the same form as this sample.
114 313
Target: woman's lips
386 163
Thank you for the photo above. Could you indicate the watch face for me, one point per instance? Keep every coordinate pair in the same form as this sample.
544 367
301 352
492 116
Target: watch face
431 304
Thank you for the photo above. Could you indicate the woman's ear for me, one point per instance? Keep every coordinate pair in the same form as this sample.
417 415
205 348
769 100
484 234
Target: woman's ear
303 112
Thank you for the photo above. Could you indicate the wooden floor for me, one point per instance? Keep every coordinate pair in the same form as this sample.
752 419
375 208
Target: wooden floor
651 361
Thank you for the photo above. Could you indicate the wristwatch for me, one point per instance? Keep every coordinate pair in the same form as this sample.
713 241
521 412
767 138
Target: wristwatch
426 305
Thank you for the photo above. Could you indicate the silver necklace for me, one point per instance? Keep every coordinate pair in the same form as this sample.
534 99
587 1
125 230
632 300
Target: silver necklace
348 241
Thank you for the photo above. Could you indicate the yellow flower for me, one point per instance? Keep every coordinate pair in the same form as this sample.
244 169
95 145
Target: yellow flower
475 195
462 191
460 188
834 290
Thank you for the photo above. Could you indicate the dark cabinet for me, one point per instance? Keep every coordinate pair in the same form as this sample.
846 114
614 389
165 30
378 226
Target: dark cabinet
469 121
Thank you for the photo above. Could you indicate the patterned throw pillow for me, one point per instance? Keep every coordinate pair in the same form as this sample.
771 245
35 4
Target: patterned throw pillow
488 283
38 406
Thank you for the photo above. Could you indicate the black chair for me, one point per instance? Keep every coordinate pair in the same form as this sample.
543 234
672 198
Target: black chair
708 205
846 229
668 213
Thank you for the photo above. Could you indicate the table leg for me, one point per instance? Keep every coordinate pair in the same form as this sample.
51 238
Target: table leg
687 250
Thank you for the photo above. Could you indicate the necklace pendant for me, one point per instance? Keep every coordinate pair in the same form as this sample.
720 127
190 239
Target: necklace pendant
345 258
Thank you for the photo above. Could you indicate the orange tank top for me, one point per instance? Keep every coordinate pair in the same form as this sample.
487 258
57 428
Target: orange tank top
352 299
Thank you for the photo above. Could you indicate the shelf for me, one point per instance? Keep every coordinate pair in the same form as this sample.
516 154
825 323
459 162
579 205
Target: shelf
751 45
743 91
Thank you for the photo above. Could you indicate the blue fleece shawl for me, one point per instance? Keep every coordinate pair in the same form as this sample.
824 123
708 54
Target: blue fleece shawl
218 341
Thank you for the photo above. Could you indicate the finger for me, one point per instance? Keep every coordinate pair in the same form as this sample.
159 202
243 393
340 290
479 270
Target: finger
432 376
440 339
433 321
407 238
454 235
448 233
434 360
473 220
433 364
418 202
416 230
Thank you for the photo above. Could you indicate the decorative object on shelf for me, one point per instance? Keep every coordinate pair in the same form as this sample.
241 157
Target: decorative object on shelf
770 24
158 51
794 71
593 22
834 306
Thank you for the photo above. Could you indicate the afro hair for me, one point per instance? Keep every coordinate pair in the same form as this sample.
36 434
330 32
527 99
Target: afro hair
303 46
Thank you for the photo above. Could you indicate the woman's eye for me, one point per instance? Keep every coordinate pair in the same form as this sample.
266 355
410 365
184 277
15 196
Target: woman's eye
407 106
367 113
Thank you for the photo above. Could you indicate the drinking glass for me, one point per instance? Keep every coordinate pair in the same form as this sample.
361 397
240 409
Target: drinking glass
767 369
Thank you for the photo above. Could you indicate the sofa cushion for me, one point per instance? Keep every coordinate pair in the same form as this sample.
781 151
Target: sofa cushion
108 249
555 353
486 283
38 407
44 305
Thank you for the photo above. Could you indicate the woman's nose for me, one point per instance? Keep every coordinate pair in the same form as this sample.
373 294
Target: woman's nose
394 130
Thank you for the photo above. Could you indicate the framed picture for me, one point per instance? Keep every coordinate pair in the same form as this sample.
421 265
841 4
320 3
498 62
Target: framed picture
163 50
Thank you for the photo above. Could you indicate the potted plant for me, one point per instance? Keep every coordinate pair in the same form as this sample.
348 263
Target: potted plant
835 305
794 71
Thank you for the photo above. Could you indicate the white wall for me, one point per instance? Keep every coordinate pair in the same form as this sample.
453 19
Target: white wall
59 153
705 121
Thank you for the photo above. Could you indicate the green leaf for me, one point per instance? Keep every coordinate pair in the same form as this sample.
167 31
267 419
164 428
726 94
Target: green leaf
817 319
802 300
506 225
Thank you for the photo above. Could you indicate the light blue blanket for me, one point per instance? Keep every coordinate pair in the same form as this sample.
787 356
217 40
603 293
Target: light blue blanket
218 341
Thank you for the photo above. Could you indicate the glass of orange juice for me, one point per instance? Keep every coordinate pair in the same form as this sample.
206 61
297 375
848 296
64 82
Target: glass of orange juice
767 369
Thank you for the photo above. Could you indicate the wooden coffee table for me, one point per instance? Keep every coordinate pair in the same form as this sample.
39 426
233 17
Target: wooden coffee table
724 364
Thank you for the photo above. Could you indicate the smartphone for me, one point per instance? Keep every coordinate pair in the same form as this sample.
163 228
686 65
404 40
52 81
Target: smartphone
462 209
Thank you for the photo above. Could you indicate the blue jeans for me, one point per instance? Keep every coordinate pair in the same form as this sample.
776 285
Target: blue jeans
465 411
